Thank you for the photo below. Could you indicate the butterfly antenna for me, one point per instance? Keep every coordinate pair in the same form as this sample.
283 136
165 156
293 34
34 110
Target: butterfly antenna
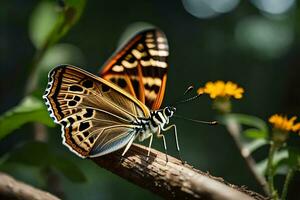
186 92
197 121
190 88
187 100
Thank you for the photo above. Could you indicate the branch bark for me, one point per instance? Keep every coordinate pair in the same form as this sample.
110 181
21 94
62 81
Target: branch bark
12 189
172 180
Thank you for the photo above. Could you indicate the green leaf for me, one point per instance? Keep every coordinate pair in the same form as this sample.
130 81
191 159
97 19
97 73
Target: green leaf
292 161
294 158
41 22
57 54
255 133
67 18
50 22
282 166
289 160
249 120
255 144
38 154
278 160
30 109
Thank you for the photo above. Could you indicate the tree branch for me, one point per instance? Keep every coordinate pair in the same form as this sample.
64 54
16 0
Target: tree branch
12 189
172 180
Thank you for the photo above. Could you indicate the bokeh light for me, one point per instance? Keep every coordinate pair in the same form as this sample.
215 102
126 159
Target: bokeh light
265 37
274 6
209 8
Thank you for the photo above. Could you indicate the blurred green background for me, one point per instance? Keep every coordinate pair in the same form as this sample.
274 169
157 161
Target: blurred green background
253 43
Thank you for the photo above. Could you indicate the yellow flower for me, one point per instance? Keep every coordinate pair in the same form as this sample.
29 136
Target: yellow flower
284 124
222 89
296 127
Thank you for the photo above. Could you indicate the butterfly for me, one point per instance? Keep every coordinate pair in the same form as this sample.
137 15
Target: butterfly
102 114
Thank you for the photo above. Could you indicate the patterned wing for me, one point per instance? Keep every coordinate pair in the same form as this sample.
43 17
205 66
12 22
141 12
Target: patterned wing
140 67
96 116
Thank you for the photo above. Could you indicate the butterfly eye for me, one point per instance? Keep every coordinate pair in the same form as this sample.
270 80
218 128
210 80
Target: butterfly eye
168 112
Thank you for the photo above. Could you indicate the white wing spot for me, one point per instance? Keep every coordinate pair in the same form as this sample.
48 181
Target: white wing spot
152 81
128 64
162 46
118 68
158 52
150 95
149 40
137 53
161 39
149 35
150 45
151 62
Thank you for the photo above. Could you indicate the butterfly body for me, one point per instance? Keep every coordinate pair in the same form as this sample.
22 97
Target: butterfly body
99 115
157 121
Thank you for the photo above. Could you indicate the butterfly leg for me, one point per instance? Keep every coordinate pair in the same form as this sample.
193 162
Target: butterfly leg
159 135
149 147
176 138
127 146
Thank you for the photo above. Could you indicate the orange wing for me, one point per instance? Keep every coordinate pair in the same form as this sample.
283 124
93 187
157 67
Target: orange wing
140 67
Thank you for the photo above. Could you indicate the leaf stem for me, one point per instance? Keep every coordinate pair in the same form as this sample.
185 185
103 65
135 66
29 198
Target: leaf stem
270 170
287 181
233 128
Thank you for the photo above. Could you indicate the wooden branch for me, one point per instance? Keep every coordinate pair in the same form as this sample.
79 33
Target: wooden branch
12 189
172 180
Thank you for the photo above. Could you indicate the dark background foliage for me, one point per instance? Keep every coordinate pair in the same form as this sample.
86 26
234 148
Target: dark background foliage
254 46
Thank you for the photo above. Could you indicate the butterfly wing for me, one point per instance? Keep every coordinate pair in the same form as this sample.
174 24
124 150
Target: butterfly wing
140 67
96 116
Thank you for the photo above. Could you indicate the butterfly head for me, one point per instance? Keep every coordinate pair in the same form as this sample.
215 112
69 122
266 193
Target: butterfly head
169 111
